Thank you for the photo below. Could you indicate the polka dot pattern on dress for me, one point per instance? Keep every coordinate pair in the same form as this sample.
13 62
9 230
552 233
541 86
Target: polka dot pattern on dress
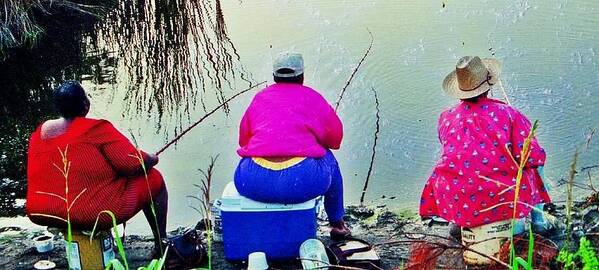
473 182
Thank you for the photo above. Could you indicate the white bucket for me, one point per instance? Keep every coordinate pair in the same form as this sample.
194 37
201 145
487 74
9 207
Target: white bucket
486 239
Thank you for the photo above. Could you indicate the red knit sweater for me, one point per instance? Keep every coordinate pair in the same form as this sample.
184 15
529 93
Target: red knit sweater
102 161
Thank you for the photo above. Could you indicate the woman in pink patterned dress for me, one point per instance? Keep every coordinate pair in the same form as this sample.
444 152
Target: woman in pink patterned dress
473 182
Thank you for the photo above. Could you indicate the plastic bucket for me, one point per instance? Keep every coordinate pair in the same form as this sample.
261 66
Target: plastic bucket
486 239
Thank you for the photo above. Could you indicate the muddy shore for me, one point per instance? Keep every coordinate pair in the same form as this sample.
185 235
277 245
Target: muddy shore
377 225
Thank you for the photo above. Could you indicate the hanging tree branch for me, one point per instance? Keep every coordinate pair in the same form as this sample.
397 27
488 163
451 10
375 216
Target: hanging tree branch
351 77
376 136
204 117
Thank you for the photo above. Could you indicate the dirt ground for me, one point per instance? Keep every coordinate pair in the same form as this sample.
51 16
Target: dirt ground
377 225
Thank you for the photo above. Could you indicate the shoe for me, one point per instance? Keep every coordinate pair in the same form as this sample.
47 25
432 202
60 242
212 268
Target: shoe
339 230
158 251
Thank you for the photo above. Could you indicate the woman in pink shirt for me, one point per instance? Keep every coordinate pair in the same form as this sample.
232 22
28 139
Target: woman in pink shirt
285 137
473 182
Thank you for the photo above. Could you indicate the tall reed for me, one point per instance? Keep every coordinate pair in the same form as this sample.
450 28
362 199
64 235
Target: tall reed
64 170
524 155
569 199
204 209
516 262
140 158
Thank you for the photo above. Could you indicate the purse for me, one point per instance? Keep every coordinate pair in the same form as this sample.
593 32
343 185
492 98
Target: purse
354 252
185 250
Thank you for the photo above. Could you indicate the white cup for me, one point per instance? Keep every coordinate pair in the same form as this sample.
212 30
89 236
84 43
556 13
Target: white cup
257 261
43 243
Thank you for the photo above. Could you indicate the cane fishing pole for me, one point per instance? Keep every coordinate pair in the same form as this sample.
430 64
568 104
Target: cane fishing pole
174 141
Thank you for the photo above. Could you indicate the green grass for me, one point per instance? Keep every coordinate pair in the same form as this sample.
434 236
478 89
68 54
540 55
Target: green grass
585 258
115 263
122 264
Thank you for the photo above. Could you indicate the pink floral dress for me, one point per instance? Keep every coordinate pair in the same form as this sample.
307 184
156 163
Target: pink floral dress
473 183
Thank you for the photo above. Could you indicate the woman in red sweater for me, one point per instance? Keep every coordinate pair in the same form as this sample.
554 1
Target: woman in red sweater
103 170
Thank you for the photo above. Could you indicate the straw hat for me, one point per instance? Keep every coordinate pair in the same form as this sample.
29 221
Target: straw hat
472 77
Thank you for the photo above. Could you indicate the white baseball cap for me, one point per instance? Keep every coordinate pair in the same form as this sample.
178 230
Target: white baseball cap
288 64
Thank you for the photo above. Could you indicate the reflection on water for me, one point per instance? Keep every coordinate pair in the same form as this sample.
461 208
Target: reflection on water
174 53
27 77
159 56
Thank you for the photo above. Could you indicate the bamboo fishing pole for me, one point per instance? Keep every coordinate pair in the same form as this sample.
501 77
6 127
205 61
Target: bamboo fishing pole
204 117
351 77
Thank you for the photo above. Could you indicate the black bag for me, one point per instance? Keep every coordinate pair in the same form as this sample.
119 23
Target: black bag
185 250
354 252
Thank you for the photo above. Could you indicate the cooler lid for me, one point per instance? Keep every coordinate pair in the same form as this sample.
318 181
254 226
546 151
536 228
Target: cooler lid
231 201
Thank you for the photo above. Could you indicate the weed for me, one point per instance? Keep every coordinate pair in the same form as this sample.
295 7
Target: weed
140 159
64 170
204 209
114 263
516 262
584 257
570 200
122 264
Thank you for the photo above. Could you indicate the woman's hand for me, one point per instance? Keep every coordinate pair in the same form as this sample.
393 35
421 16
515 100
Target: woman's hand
150 160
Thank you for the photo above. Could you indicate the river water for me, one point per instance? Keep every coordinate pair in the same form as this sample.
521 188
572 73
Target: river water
548 49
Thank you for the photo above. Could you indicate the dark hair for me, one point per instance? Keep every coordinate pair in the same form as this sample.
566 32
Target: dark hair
70 100
299 79
476 98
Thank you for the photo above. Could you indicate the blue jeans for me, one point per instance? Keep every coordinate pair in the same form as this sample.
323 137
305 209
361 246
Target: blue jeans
306 180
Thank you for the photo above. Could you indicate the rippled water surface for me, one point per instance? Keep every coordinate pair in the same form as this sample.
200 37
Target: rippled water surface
548 49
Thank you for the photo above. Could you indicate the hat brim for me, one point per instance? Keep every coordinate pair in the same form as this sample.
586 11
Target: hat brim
452 88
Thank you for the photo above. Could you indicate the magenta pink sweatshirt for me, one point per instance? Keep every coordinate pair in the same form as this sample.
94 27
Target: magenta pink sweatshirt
289 120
